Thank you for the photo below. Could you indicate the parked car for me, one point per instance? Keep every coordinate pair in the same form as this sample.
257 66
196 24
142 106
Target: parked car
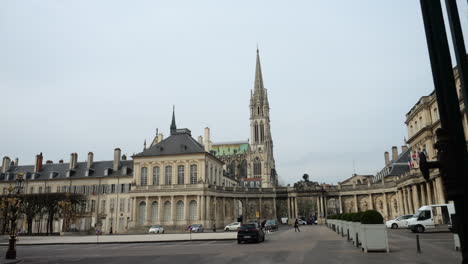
250 232
399 222
271 224
431 217
232 226
197 228
301 222
156 229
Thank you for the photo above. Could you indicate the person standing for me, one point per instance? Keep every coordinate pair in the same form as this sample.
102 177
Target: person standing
296 226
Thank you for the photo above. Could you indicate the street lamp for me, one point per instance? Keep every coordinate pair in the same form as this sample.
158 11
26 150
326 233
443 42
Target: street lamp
13 202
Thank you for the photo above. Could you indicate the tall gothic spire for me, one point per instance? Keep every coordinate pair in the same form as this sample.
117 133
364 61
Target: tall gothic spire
173 124
258 86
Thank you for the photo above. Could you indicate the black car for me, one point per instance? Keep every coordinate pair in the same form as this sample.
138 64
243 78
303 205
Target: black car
271 224
250 232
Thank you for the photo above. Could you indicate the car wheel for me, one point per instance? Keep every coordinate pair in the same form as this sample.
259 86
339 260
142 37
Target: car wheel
394 226
420 229
227 229
238 241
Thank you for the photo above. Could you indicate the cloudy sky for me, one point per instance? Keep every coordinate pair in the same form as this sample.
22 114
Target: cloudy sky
79 76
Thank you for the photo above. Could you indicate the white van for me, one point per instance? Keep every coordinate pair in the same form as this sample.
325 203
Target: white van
431 217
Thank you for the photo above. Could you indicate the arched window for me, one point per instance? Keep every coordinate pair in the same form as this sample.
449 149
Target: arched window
154 211
155 175
262 133
193 210
215 176
258 110
193 174
256 132
168 175
180 210
243 169
144 176
257 167
141 213
180 174
167 210
211 174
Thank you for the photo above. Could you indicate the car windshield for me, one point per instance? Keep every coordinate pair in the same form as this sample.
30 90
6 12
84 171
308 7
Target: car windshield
155 226
248 226
270 222
196 225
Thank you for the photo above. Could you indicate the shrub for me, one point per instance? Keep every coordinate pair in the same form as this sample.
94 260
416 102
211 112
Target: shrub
357 217
371 217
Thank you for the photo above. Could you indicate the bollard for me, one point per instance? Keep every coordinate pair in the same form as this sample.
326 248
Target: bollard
347 231
418 245
357 240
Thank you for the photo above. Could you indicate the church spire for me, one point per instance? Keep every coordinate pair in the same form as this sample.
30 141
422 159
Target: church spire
173 124
258 86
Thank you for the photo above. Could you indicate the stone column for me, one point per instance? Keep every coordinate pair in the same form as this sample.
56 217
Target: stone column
275 214
440 190
341 204
415 197
423 194
208 208
371 203
224 209
289 207
385 207
173 209
260 205
160 209
400 202
186 208
148 211
134 215
435 191
410 200
199 211
295 207
356 208
429 193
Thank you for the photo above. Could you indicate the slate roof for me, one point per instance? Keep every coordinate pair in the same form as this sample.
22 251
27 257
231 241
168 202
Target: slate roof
177 143
396 167
60 170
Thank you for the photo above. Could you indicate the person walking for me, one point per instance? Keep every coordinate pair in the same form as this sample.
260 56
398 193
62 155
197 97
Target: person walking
296 226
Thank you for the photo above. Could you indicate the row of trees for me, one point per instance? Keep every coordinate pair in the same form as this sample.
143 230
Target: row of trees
40 206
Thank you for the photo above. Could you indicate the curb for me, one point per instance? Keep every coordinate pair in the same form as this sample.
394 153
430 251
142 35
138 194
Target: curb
117 242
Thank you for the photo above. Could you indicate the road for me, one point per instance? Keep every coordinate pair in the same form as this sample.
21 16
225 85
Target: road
315 244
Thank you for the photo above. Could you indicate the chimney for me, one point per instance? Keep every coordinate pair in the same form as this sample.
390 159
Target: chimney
73 160
200 140
207 139
116 159
61 161
49 162
387 158
394 153
5 164
38 165
404 148
16 162
89 162
124 157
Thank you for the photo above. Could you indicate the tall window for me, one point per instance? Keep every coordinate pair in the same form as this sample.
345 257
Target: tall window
180 210
180 174
167 210
144 176
154 211
155 175
256 133
262 135
257 167
103 206
193 174
168 174
122 205
193 210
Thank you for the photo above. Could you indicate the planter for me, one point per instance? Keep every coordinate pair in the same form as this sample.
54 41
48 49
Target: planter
456 240
337 225
355 232
374 237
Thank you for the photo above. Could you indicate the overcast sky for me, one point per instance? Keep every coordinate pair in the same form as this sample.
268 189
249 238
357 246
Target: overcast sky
79 76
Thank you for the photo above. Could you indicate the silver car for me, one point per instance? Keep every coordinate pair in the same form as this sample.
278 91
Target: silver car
197 228
156 229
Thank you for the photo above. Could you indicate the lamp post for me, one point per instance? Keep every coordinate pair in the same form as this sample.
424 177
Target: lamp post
13 207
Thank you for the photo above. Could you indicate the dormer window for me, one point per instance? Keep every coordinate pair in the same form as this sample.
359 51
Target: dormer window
89 172
107 171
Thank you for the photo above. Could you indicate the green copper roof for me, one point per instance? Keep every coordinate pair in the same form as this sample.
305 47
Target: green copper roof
226 149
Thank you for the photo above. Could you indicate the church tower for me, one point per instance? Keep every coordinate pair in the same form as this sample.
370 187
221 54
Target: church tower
262 162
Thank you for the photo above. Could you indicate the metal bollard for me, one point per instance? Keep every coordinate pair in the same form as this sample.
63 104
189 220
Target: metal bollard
418 245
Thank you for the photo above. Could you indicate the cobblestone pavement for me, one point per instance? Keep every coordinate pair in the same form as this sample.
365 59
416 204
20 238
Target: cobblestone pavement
314 244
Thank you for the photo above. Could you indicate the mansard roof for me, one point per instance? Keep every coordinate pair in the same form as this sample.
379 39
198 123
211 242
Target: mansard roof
61 170
396 167
180 142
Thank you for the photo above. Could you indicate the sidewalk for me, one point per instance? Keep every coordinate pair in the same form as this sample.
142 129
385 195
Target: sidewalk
114 239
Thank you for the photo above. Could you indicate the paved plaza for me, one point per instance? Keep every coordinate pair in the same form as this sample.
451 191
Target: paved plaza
314 244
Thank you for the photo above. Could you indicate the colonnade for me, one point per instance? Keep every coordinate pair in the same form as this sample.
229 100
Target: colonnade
414 196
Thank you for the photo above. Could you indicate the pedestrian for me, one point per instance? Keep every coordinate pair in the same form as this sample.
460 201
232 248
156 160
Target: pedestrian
296 226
